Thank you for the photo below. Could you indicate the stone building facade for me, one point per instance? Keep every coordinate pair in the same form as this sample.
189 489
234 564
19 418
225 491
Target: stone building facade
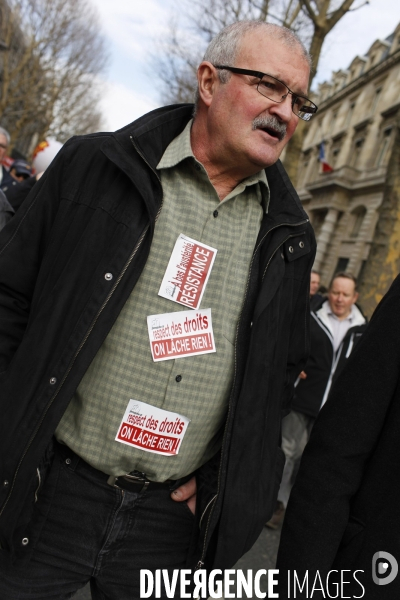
358 124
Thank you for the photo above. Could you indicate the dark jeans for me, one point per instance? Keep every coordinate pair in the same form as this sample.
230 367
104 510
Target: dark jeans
85 530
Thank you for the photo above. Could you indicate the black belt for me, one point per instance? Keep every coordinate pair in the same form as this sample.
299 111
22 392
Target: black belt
135 481
138 482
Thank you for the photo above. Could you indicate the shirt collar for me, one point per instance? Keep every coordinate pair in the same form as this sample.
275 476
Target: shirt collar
180 149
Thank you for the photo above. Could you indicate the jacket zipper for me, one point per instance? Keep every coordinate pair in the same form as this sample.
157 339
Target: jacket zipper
336 356
200 563
39 484
351 344
335 362
131 257
206 508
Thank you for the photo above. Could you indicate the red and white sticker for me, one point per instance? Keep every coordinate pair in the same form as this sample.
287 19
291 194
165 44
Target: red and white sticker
188 271
180 334
152 429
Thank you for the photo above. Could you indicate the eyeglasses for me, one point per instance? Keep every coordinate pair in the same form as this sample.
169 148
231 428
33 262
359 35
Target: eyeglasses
277 91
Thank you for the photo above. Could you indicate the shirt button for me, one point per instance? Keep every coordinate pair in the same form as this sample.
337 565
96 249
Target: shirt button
68 461
6 483
215 214
53 380
25 541
301 244
178 378
291 249
108 276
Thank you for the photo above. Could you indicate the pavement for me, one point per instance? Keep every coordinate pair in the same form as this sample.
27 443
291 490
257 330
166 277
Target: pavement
261 556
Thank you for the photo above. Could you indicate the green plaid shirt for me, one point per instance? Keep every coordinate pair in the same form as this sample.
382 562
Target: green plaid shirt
123 368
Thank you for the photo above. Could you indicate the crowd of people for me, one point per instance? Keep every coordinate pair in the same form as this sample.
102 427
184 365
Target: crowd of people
18 176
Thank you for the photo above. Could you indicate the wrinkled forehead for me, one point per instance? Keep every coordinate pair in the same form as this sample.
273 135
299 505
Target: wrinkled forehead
3 140
260 51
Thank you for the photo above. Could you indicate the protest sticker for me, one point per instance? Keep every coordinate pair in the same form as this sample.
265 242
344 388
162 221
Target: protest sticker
188 270
152 429
180 334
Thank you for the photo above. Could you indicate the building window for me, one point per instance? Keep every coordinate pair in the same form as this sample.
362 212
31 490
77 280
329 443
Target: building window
316 165
333 120
335 154
375 99
341 265
356 152
350 112
304 167
357 215
383 147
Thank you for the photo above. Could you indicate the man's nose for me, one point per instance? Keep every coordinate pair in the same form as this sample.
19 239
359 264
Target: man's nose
283 110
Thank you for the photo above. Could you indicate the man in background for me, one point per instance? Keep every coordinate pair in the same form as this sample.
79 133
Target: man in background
316 299
335 330
5 177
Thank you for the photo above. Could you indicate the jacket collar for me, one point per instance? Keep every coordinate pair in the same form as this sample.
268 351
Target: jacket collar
152 133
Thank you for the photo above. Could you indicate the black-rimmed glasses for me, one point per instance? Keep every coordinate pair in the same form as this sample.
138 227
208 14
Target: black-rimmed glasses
277 91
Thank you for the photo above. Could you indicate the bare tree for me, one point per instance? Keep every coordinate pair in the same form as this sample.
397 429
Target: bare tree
53 53
181 52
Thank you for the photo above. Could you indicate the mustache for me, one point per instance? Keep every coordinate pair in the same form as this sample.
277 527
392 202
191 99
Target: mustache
271 123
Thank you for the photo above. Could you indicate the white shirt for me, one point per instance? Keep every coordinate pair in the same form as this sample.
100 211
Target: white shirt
338 326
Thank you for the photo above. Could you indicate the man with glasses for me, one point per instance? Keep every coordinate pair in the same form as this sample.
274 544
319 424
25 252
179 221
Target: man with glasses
156 331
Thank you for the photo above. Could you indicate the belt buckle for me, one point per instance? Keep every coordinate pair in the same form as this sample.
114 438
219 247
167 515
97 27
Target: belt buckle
134 477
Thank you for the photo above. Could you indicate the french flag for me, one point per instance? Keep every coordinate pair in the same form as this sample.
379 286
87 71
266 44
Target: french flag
325 167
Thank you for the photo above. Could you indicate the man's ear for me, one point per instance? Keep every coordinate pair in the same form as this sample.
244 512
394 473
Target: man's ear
355 297
207 78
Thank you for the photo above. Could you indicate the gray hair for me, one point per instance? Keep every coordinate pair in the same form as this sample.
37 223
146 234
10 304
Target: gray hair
223 49
6 135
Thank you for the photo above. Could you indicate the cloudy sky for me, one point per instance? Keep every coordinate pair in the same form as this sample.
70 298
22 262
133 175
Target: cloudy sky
132 28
